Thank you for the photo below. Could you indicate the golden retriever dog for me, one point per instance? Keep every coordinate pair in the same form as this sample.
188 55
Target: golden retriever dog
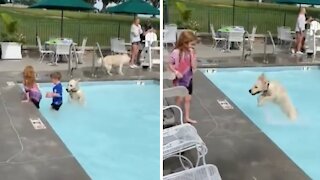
271 91
115 60
75 93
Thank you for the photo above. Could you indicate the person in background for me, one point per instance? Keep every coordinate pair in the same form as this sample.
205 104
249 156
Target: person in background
31 88
135 39
183 64
146 29
56 93
300 29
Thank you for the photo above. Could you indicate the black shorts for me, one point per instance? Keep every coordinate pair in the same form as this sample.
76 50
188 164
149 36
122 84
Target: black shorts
36 103
190 87
56 106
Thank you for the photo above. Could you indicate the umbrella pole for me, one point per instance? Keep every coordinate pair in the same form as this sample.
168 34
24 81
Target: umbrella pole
233 9
119 30
61 26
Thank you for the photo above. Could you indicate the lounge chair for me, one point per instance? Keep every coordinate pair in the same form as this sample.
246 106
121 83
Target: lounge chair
204 172
182 138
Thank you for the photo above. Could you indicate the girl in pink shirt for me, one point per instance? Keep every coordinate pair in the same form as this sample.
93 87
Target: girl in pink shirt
32 90
183 64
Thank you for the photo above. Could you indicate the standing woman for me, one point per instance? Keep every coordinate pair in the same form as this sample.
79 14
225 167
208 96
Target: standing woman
300 30
135 39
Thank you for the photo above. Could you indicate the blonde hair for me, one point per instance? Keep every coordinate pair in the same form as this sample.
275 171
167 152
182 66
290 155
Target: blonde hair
135 20
184 39
29 76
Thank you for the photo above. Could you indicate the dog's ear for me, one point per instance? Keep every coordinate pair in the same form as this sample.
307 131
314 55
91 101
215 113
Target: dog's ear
78 80
262 77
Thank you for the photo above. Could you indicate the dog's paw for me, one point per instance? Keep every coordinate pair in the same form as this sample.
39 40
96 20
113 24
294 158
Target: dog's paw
110 74
121 74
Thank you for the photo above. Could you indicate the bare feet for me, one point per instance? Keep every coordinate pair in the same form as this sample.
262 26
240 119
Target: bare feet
188 120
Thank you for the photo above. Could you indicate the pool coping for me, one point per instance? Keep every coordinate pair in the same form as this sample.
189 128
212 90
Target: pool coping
46 157
236 145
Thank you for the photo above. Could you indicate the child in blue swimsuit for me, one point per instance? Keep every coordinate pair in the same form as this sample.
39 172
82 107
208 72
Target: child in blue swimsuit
56 93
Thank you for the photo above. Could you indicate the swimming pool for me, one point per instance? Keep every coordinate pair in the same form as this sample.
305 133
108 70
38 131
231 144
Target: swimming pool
300 140
115 135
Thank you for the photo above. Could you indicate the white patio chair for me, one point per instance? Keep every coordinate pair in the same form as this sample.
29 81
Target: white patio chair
204 172
279 34
182 138
252 36
170 34
42 51
286 36
118 46
80 52
249 41
151 45
62 49
236 37
173 92
216 39
312 42
273 44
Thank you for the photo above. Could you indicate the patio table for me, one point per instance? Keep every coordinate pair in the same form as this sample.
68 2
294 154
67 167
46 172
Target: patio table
227 29
51 43
224 32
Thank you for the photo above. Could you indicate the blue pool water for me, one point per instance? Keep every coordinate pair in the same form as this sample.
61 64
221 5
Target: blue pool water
300 140
116 134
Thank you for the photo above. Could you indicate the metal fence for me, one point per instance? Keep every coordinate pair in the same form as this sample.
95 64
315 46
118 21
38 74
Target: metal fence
264 19
95 32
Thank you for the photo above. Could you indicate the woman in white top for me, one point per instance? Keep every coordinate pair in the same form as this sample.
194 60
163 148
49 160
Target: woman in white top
135 33
300 28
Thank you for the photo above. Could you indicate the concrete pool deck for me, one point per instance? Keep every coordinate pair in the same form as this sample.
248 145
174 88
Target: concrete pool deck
30 154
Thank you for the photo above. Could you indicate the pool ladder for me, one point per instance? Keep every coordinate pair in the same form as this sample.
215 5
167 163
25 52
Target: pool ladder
73 61
94 68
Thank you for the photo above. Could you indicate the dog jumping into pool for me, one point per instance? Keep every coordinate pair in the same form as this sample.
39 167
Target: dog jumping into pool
75 93
273 91
114 60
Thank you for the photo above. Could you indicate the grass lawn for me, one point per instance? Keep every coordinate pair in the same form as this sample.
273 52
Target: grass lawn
46 24
266 16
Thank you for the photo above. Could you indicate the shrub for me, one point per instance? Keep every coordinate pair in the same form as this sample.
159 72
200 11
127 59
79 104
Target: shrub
11 30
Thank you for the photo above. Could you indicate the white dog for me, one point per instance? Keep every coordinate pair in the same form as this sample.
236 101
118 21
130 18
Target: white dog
274 92
115 60
75 94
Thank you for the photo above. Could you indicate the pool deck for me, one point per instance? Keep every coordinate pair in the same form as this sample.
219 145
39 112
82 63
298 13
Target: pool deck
30 154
